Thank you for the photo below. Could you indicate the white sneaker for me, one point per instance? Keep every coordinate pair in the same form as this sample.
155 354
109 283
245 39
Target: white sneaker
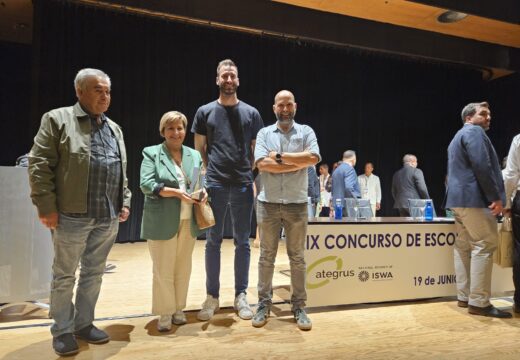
164 323
243 308
209 307
179 318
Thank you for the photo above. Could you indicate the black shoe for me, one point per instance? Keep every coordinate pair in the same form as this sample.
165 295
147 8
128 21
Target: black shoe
490 311
462 304
65 345
93 335
516 309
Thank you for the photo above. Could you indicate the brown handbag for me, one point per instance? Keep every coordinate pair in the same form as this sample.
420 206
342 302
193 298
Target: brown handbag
204 215
503 254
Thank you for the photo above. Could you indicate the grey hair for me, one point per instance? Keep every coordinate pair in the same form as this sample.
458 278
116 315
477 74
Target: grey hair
471 109
349 154
83 74
408 158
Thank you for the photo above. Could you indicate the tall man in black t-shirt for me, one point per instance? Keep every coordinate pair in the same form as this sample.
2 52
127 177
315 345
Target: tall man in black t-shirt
225 134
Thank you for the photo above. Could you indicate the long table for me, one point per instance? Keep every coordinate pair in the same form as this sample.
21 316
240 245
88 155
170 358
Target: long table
353 261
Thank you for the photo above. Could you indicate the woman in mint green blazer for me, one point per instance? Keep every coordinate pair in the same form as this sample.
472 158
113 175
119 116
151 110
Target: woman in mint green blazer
168 171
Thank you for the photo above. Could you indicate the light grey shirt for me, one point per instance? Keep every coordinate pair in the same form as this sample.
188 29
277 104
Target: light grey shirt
511 173
287 188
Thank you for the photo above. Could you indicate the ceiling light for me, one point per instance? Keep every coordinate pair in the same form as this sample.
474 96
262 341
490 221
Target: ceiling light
449 17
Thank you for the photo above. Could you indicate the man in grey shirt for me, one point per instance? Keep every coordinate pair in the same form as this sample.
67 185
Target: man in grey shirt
283 152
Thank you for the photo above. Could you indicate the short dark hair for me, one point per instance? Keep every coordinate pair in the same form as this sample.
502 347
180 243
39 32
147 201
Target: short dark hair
226 62
324 165
471 109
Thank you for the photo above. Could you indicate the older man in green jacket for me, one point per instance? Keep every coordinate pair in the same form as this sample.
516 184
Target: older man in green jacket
77 171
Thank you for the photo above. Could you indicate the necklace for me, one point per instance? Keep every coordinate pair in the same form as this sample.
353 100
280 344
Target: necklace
176 155
177 158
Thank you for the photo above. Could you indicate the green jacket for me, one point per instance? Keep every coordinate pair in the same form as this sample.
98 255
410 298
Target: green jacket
59 162
161 216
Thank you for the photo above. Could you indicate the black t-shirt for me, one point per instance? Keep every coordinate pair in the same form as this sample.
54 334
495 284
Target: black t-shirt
229 131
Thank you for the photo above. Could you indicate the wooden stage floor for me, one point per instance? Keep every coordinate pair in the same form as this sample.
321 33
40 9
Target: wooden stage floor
431 329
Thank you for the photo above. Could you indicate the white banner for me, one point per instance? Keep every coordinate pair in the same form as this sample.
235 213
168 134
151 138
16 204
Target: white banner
358 263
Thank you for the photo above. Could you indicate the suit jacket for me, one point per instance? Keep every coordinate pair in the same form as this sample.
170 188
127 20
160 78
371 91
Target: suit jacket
408 183
313 189
474 176
161 216
344 184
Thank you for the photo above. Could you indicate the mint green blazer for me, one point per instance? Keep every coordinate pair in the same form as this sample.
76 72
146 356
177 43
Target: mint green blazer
161 216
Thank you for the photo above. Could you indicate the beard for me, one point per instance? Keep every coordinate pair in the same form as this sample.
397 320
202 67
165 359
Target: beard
287 121
228 90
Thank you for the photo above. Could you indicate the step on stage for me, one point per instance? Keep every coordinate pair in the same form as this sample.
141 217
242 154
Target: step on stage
426 329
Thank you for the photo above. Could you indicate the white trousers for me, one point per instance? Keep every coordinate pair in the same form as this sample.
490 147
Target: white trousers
171 270
473 254
373 206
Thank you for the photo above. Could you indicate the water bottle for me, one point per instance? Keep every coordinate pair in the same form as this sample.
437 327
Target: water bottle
428 211
338 210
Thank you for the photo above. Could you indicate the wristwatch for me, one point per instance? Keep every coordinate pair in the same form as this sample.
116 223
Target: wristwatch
278 158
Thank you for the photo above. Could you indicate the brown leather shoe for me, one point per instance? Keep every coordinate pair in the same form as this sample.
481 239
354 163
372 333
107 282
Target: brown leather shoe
462 304
490 311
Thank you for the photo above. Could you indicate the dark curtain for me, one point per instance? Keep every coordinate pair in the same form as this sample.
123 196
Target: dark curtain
503 95
382 106
15 101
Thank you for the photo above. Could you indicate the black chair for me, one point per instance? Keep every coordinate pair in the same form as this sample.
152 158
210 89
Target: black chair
416 207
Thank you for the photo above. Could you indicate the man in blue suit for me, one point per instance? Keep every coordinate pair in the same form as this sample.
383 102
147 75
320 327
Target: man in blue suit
475 193
344 179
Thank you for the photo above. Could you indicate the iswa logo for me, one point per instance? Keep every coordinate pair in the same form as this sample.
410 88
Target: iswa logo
330 268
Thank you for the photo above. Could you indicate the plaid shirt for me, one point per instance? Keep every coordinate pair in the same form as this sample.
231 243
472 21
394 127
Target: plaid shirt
104 178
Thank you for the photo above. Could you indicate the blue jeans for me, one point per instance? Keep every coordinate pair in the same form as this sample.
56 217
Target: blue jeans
76 240
240 202
270 218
